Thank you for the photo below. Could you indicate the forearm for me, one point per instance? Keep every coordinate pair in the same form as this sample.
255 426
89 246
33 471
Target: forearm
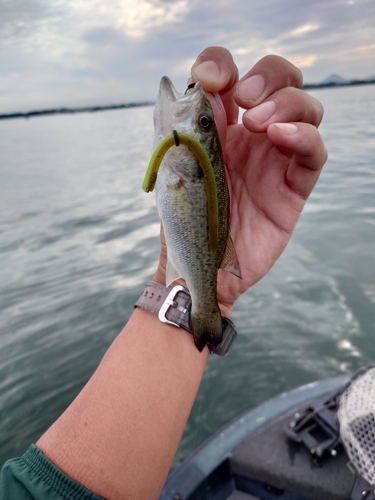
120 435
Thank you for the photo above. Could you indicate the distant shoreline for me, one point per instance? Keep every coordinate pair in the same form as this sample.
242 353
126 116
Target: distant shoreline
94 109
309 86
67 111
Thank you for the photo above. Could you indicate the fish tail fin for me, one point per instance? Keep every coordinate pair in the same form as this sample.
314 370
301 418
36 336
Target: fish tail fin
207 329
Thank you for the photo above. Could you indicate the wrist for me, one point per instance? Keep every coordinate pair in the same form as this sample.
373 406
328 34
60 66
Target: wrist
226 310
172 305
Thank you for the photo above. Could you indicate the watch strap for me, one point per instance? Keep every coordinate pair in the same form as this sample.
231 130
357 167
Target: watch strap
172 305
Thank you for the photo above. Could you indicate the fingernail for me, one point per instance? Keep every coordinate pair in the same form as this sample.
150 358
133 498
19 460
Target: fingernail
287 128
251 88
207 70
262 113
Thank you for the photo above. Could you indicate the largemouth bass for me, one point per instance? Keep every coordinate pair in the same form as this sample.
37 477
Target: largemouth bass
181 197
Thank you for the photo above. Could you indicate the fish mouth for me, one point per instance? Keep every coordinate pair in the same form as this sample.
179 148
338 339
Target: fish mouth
172 107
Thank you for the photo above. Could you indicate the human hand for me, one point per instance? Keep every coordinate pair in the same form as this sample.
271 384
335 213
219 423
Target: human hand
273 159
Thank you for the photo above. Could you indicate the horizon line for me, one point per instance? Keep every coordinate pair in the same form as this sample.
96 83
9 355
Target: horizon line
96 108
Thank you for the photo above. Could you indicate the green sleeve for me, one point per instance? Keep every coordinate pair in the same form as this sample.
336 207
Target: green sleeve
34 477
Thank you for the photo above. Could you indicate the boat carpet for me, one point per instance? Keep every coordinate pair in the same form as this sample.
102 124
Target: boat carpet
268 457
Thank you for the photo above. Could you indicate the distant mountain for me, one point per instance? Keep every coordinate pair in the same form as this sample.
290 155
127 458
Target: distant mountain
335 80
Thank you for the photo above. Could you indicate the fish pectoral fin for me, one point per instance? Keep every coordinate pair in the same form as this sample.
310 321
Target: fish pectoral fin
230 260
171 271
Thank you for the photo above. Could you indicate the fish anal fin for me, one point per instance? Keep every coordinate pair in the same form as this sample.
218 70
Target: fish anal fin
230 260
171 272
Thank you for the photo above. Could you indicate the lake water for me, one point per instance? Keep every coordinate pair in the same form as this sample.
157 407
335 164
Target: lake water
79 239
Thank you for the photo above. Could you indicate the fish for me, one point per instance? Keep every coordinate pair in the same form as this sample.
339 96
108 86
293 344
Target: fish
182 203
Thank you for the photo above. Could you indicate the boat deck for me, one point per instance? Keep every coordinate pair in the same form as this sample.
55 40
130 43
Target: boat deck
253 459
269 465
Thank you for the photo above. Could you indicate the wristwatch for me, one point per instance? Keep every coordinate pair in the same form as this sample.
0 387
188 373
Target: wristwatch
172 305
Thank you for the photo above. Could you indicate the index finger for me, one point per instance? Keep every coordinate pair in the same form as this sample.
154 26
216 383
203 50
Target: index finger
270 74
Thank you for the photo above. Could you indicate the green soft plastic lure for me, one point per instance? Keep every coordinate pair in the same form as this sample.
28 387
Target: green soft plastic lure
175 139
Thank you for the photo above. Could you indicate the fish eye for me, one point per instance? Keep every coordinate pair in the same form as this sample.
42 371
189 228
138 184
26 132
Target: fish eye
205 121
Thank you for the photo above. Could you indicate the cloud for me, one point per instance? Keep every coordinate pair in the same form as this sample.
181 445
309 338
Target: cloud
303 61
139 16
306 28
78 52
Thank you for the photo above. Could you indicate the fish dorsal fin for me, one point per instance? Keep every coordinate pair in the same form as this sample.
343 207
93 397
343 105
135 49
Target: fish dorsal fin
230 260
171 271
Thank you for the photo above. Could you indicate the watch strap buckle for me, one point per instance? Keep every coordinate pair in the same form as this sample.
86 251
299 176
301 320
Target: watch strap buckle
171 305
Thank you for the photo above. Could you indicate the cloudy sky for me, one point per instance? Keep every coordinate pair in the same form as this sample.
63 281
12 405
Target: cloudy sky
85 52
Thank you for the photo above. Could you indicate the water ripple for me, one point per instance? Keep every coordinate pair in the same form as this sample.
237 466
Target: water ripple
79 238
